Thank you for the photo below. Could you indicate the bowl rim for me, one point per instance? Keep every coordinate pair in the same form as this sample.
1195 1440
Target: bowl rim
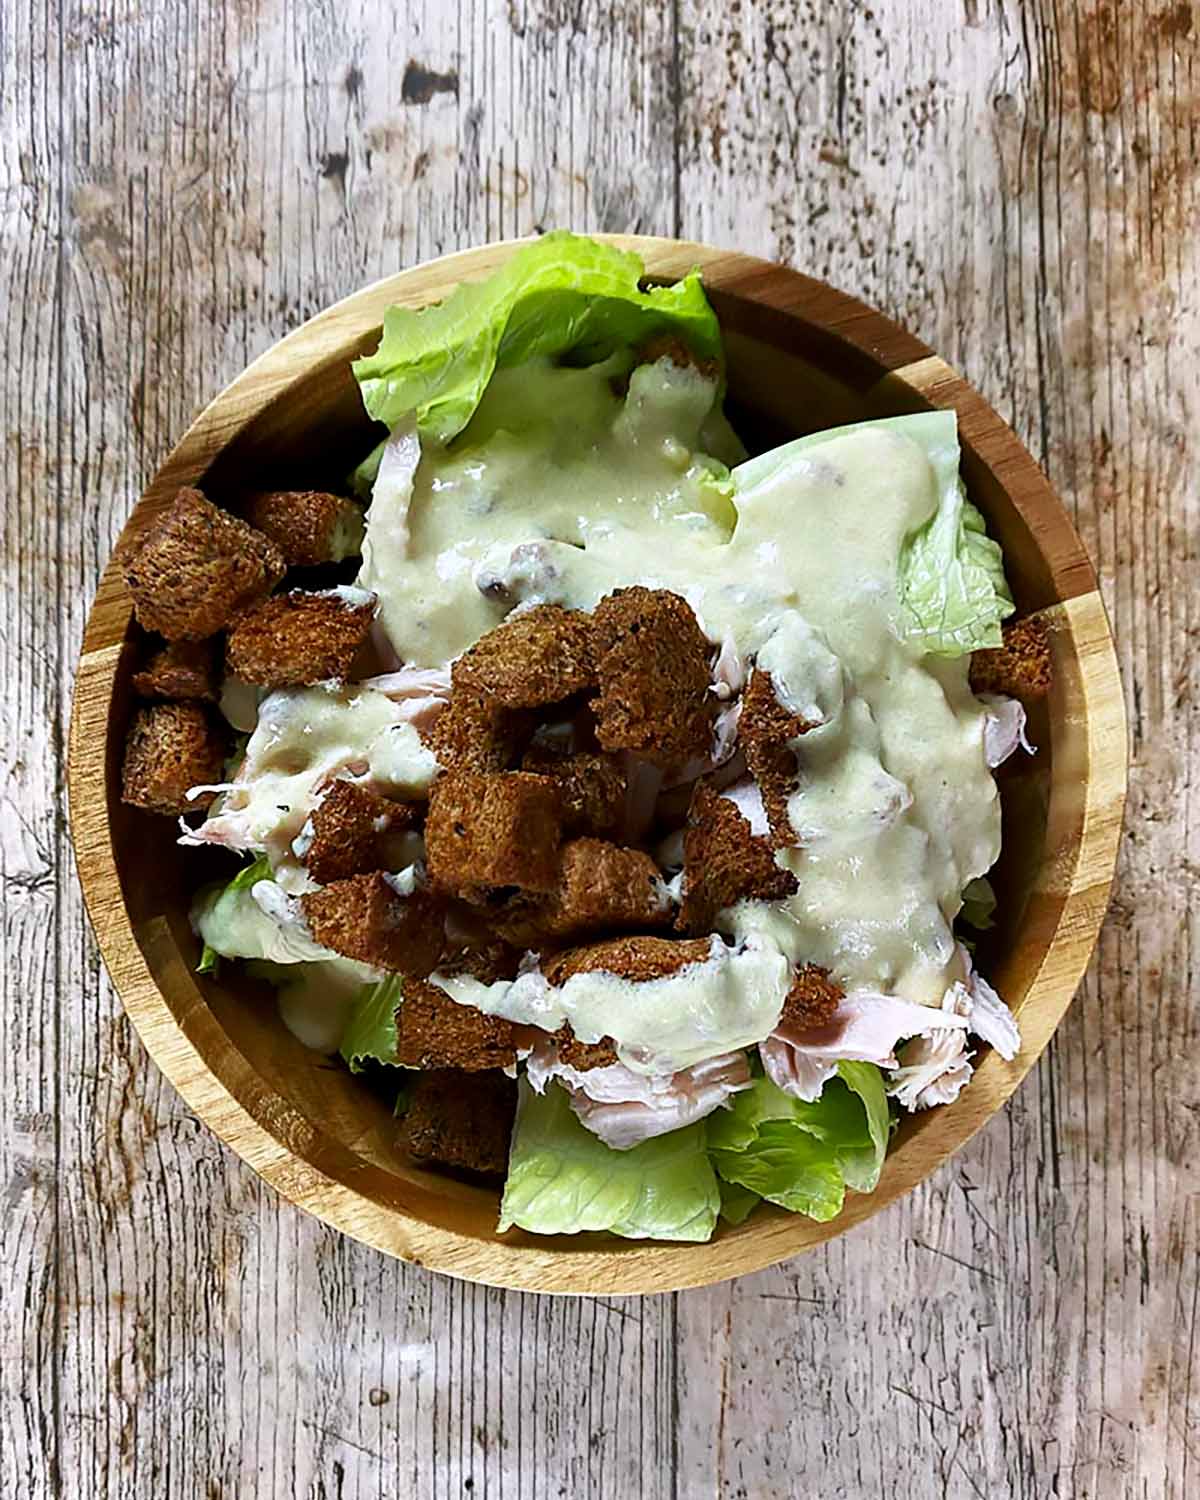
182 1040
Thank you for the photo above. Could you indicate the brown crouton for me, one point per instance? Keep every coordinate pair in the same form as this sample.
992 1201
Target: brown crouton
540 656
471 735
584 1055
592 786
764 730
363 917
298 638
601 887
195 567
484 958
812 999
493 829
723 862
171 747
461 1120
308 526
654 677
180 669
670 346
350 827
433 1031
634 958
1022 667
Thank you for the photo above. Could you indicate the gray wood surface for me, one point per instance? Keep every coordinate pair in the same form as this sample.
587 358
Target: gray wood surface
183 183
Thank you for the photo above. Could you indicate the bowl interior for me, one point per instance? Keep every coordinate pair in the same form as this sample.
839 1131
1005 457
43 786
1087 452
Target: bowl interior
789 374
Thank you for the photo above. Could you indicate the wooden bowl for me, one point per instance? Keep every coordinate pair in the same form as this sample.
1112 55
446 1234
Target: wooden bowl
801 357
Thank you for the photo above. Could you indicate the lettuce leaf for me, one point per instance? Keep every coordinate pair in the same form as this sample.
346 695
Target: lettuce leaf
562 294
978 904
562 1179
737 1202
951 573
805 1155
214 904
370 1034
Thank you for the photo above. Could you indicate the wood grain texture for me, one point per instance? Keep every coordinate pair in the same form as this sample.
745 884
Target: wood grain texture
1017 185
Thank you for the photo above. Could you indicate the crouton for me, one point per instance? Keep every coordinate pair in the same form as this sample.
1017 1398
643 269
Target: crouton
812 999
601 887
592 787
461 1120
487 959
670 346
493 829
434 1031
653 669
195 567
308 526
583 1056
634 958
1022 667
537 657
362 917
723 863
349 832
472 735
170 748
180 669
764 731
298 638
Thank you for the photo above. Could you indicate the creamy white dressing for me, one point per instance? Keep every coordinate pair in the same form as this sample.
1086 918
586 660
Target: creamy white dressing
559 491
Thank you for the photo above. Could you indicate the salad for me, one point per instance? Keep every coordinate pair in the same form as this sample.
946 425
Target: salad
618 802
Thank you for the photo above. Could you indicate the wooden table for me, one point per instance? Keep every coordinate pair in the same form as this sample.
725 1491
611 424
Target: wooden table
1017 183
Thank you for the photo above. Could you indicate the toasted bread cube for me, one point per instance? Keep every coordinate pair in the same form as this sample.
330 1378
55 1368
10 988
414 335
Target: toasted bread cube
593 787
1022 667
654 677
298 638
362 917
170 748
634 958
180 669
484 957
765 730
473 735
195 567
350 828
434 1031
601 887
812 999
461 1120
493 829
724 862
582 1056
309 527
538 657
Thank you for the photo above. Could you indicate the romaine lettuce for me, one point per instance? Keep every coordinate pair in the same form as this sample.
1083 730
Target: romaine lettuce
370 1034
562 1179
804 1155
562 294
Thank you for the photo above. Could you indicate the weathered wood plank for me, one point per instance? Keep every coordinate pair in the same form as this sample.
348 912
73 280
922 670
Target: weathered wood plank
1015 182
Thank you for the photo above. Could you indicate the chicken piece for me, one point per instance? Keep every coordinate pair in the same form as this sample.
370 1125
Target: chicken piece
180 669
634 958
535 658
362 917
434 1031
170 748
309 527
765 730
723 863
493 829
653 667
350 830
195 567
593 787
1022 667
812 999
461 1120
296 639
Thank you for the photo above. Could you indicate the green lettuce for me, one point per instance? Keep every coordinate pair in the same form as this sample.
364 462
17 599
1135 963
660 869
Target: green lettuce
562 1179
978 904
218 900
805 1155
951 573
562 294
370 1034
737 1202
